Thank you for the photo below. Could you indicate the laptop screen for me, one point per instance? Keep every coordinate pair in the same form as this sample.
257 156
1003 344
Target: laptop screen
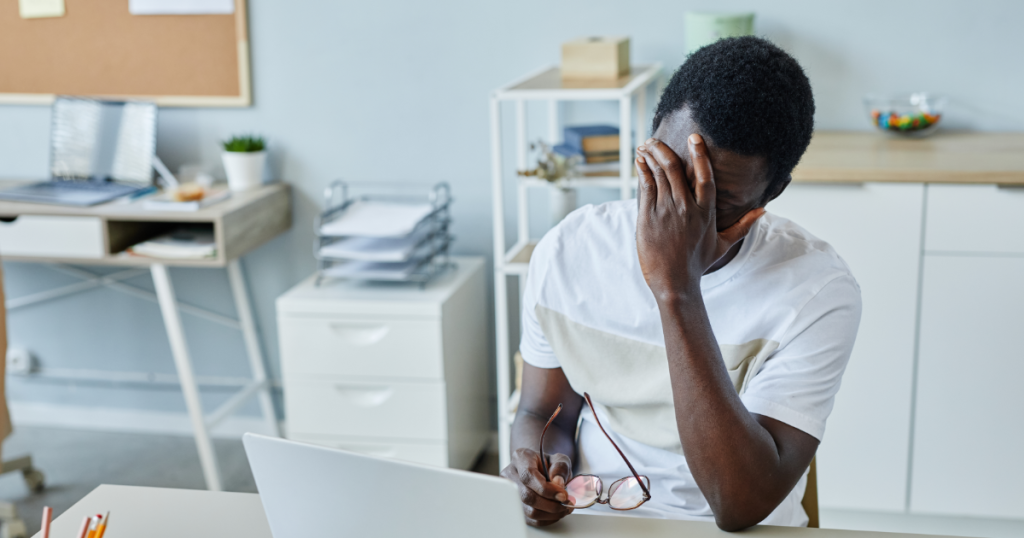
103 140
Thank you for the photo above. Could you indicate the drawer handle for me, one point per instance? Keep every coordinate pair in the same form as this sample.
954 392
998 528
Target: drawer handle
360 335
382 451
363 396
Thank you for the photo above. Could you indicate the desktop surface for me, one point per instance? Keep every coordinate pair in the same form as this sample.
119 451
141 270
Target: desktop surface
39 232
143 511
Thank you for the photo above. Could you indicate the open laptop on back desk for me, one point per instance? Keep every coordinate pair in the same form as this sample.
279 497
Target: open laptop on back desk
91 140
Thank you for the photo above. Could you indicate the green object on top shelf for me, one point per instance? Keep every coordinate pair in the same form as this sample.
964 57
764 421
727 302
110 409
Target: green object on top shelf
244 144
706 28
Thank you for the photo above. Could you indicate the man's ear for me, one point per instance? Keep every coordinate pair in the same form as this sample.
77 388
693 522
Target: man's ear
777 190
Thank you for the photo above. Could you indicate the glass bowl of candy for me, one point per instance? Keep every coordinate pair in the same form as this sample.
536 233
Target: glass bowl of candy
909 114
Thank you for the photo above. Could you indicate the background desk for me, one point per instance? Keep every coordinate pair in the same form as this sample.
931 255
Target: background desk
100 234
172 513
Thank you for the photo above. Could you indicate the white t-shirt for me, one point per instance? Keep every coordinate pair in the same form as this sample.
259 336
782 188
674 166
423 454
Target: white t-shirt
784 311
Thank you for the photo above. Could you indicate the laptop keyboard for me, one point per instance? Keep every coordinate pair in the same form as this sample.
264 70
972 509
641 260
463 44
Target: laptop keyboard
90 186
70 192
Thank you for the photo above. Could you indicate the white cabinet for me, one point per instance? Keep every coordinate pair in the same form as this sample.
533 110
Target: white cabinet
956 419
389 370
972 219
969 423
876 228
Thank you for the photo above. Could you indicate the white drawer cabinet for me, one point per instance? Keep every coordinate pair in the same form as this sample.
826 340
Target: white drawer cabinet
430 453
389 370
969 426
351 406
876 228
364 346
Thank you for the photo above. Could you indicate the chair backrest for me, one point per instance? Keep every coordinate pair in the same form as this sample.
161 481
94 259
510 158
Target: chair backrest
810 500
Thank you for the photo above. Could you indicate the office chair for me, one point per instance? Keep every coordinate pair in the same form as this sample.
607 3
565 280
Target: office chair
810 500
11 526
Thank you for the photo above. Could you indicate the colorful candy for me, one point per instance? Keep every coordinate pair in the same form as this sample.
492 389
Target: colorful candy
892 121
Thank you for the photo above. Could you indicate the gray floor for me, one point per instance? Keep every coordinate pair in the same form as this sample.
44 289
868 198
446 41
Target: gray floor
76 461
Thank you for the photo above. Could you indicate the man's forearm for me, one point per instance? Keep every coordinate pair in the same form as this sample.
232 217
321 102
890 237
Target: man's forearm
732 457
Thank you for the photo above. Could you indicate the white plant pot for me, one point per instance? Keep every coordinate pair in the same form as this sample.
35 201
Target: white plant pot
562 202
244 169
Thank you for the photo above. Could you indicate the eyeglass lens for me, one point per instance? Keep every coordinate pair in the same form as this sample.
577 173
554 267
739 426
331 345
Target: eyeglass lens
583 491
626 493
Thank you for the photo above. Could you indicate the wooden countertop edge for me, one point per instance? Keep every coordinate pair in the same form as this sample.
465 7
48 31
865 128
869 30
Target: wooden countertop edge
853 175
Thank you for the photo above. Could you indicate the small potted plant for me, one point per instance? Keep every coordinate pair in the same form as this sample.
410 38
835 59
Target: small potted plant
244 158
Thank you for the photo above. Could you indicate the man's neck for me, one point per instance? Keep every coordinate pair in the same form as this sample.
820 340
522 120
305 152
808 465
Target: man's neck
728 257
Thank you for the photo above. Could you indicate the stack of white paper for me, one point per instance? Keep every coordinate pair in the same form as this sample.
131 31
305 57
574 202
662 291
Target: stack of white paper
377 240
376 249
372 270
377 219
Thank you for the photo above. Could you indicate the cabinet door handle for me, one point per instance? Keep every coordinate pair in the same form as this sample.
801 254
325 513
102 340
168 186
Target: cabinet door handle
365 396
380 451
360 334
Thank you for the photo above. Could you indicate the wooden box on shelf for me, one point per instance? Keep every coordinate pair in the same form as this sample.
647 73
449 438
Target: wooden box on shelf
595 58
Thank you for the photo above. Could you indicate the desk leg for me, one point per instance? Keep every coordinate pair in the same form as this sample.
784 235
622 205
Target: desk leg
179 349
252 343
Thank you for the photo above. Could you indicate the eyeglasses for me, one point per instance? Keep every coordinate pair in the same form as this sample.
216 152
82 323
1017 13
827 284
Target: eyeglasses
585 490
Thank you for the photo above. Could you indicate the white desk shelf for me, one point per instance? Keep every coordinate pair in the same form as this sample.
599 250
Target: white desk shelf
547 86
389 370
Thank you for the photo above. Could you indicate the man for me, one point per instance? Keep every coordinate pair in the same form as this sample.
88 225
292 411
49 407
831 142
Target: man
710 335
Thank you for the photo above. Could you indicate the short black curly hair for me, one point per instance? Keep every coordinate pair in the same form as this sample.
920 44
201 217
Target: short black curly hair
748 96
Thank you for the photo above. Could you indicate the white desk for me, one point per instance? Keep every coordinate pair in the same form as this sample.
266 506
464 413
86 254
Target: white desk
173 513
100 234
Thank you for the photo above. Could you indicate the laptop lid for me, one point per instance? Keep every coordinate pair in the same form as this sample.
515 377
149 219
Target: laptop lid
309 490
92 139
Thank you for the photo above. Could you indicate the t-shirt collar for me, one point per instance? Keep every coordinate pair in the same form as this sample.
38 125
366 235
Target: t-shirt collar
722 275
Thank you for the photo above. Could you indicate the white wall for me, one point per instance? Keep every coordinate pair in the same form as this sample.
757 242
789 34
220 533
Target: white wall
398 91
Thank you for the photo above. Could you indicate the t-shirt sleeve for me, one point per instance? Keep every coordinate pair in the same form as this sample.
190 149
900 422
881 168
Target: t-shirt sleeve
534 345
798 384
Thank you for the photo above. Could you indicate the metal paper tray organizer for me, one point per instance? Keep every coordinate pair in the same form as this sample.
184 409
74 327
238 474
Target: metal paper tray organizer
429 257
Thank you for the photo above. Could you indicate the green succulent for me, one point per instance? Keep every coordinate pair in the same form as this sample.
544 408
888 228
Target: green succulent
247 144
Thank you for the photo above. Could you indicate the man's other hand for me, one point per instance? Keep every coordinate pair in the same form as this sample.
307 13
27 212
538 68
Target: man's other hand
542 499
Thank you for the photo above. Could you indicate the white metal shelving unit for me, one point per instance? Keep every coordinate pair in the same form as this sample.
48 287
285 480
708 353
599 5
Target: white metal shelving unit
547 86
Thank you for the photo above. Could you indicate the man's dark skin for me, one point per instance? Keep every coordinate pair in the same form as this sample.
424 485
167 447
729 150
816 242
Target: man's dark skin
696 204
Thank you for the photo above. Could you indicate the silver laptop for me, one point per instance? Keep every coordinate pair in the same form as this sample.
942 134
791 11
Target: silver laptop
309 490
99 151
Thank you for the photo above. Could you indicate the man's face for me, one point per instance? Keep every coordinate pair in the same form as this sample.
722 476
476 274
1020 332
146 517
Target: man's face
740 180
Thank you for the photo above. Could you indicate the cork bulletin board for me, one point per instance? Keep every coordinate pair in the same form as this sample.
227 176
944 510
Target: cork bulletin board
98 49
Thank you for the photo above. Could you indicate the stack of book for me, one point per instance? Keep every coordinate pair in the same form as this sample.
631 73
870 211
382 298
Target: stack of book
597 145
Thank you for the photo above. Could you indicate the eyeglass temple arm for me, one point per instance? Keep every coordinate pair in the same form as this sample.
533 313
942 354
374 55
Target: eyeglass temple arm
543 458
619 450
